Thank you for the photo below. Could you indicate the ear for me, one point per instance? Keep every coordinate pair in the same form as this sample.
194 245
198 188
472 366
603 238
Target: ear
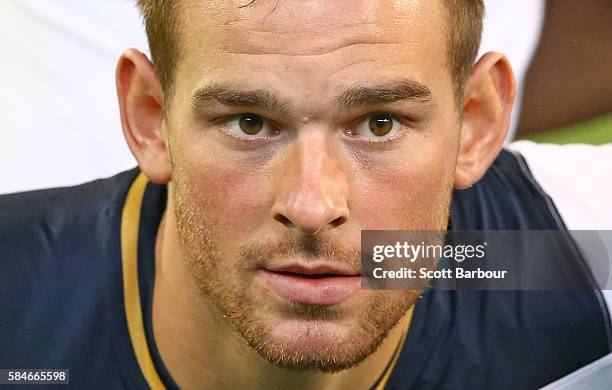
141 101
488 98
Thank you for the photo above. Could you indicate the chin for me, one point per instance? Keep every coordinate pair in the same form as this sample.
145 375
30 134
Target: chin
323 338
303 335
320 345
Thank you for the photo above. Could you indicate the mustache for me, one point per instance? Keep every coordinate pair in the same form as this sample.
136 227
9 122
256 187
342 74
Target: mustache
309 248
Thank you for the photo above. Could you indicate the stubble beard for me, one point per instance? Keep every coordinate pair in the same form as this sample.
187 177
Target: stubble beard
222 284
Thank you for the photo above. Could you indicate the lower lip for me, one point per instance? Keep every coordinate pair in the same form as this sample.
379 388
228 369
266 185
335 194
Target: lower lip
320 291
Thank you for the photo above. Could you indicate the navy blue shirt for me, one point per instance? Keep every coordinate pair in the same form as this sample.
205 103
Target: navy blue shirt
77 272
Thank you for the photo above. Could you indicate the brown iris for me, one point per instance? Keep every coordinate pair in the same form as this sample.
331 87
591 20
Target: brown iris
251 124
380 124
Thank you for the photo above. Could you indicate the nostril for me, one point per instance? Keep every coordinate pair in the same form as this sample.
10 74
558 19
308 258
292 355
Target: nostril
338 221
282 219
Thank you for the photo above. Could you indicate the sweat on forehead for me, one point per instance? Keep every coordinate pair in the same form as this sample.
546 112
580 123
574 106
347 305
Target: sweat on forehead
162 19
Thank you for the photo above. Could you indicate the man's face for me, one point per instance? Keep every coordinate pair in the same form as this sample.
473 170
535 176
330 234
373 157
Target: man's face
294 126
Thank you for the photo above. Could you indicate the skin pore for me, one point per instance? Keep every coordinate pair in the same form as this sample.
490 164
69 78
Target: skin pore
291 127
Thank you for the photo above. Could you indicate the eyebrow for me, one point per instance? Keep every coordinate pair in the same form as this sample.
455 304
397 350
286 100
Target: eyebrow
350 98
392 92
236 98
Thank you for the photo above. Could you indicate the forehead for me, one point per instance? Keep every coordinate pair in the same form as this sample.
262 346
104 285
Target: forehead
306 27
313 45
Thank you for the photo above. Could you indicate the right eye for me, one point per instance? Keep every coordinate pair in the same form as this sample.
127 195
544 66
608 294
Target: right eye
248 125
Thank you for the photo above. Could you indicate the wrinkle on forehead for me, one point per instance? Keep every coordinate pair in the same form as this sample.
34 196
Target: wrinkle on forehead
314 50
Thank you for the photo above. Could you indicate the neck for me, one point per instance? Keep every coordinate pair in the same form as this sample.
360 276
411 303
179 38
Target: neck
201 350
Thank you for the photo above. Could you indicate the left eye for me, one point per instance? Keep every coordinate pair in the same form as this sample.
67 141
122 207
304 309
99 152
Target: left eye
376 126
248 125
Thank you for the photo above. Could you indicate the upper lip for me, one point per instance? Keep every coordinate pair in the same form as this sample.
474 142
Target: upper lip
314 269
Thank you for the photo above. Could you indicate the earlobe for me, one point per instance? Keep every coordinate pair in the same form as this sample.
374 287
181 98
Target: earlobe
488 98
141 101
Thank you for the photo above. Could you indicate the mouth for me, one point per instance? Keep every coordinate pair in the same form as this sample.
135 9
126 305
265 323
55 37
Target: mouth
318 284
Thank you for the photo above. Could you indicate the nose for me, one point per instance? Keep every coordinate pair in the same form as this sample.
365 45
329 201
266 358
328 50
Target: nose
312 189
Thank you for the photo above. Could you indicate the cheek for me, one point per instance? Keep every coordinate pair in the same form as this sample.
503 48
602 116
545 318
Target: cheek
224 189
407 191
